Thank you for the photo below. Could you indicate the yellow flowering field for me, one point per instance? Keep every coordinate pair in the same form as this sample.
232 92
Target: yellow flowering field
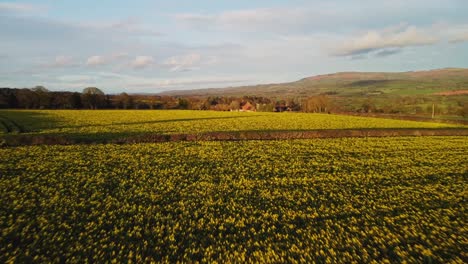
186 121
362 200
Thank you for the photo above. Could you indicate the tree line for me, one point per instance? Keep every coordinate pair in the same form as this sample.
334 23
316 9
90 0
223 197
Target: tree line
40 97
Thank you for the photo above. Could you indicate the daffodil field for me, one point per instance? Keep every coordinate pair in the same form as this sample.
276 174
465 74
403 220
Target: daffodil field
188 121
362 200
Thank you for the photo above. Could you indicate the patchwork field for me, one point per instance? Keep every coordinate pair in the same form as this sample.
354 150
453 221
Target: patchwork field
324 200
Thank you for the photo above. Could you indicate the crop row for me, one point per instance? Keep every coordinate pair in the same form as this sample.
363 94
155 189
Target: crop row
334 200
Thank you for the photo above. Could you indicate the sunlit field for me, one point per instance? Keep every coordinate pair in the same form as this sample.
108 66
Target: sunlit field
326 200
180 121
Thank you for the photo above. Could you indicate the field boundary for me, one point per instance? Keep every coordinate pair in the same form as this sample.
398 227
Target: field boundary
49 139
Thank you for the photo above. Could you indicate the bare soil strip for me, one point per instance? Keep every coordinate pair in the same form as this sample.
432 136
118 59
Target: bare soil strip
27 140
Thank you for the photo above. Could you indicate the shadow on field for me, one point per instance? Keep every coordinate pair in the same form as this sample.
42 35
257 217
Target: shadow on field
23 121
67 139
145 137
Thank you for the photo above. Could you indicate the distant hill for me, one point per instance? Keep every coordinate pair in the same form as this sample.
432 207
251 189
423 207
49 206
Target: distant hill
351 84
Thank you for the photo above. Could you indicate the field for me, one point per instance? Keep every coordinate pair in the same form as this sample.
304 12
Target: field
386 199
325 200
105 125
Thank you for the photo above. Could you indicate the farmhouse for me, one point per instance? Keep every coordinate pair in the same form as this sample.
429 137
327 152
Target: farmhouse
248 107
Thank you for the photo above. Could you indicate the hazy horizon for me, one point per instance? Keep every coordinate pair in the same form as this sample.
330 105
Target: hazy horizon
156 46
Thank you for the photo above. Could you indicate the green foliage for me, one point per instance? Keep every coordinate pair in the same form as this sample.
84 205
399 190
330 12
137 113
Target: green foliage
336 200
92 90
183 103
265 107
316 104
93 98
75 101
40 89
124 101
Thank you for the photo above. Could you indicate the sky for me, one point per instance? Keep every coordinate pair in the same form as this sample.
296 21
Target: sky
144 46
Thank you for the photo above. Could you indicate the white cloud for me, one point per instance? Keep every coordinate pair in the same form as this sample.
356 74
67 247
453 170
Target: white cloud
75 78
119 55
321 16
185 83
456 33
61 62
129 27
250 20
183 63
189 62
133 26
260 17
96 60
194 18
389 38
17 7
463 37
141 62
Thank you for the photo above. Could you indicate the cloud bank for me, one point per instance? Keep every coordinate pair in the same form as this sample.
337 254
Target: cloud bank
386 42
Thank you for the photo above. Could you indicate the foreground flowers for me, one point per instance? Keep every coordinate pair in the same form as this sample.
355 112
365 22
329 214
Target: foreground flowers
333 200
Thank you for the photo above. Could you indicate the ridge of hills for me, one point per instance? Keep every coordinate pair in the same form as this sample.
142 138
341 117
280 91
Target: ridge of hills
350 84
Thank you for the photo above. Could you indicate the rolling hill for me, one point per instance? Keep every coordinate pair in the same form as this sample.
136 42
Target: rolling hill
351 84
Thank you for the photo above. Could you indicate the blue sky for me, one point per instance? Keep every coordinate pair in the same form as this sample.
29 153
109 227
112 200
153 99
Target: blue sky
154 46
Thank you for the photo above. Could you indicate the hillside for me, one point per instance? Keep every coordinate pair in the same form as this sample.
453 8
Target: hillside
351 84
